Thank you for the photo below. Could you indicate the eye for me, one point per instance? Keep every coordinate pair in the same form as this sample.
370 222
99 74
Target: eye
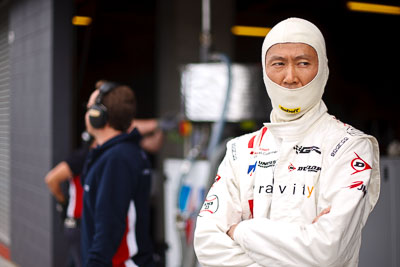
277 63
304 64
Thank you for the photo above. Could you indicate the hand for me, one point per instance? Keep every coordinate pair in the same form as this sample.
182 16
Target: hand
231 231
325 211
169 122
62 210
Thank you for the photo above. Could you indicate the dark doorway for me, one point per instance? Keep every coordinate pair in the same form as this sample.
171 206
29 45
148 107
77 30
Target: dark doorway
119 45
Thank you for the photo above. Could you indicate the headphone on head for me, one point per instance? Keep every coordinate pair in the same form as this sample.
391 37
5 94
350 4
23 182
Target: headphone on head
98 112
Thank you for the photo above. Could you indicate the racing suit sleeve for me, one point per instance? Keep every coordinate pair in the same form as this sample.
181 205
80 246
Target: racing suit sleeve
350 186
220 210
112 203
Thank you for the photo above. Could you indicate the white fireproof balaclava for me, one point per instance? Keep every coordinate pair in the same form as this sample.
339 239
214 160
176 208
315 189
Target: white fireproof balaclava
291 104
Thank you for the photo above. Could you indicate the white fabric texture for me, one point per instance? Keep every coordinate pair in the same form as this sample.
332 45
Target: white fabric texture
276 181
295 30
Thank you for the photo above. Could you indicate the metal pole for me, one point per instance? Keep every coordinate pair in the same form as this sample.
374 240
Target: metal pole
205 36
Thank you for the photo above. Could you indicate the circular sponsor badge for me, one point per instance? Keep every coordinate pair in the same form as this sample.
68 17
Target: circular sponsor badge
210 204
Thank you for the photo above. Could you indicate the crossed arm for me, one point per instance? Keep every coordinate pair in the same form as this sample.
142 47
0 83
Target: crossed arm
231 230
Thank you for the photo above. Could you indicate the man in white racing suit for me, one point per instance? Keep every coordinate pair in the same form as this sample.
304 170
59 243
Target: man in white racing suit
298 191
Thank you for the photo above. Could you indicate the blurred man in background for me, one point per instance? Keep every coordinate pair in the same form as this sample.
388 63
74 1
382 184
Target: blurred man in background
116 181
69 203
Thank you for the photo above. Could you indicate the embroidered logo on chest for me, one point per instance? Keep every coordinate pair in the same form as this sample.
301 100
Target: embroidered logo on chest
306 149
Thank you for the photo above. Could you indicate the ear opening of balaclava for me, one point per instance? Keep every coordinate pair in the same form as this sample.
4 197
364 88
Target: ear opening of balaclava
291 104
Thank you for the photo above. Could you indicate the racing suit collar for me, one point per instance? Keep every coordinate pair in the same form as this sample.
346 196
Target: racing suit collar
294 129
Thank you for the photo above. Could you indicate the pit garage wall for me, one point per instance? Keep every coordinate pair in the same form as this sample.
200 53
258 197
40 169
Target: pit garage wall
40 107
4 133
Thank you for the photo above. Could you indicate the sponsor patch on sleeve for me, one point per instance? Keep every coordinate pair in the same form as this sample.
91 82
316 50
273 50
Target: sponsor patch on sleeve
339 145
210 205
359 165
358 185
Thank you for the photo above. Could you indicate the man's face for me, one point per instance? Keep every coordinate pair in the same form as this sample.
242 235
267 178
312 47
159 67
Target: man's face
291 65
91 102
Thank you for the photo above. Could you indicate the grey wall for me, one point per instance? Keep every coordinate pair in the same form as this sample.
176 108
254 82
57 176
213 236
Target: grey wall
40 125
4 129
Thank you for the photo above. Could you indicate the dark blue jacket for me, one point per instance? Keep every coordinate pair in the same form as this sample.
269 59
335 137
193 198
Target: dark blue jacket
116 204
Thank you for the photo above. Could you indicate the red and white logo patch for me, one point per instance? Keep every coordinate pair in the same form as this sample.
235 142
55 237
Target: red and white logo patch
291 167
355 184
359 165
210 205
360 186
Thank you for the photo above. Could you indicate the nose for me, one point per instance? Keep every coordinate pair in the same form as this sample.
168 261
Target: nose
291 79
